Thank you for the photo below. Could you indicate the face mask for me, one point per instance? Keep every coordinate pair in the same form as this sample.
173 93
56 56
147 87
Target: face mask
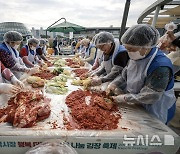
135 55
33 48
16 46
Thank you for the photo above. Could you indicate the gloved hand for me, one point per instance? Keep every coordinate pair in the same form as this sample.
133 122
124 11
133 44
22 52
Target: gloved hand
110 89
84 76
34 70
9 88
77 55
119 98
95 89
27 70
16 82
41 63
96 82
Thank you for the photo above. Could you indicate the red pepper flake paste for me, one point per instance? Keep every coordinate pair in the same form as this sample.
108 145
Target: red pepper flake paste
45 74
92 115
80 71
26 109
71 63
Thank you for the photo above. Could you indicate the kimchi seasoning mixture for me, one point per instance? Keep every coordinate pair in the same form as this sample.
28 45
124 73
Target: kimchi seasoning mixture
71 63
80 71
91 115
26 109
45 74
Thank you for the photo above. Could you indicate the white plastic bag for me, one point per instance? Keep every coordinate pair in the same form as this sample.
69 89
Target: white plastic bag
54 146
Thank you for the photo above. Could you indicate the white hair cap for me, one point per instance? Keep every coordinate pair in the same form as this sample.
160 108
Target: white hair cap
141 35
12 36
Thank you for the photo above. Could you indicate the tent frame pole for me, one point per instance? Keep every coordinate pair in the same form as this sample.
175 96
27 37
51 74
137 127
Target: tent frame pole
53 24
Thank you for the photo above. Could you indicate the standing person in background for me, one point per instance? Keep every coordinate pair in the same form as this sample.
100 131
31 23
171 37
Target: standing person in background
28 53
73 45
55 46
148 78
78 45
46 46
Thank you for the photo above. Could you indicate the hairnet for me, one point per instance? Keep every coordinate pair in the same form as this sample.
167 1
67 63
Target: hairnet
141 35
103 38
42 41
33 40
12 36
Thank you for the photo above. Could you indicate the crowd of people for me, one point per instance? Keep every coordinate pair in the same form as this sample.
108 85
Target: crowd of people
137 70
14 62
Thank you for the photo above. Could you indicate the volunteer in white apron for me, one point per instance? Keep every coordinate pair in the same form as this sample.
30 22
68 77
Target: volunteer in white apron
28 53
6 88
90 51
148 78
12 40
41 50
98 60
115 58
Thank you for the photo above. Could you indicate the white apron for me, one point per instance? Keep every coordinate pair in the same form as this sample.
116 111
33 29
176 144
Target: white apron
108 65
136 74
87 53
31 57
17 60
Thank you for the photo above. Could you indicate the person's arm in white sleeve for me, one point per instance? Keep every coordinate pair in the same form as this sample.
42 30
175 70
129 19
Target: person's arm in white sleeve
95 65
118 85
21 61
6 88
115 71
27 62
20 68
154 87
120 61
100 71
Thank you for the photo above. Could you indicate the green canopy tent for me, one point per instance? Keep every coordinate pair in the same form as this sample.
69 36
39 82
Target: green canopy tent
66 27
